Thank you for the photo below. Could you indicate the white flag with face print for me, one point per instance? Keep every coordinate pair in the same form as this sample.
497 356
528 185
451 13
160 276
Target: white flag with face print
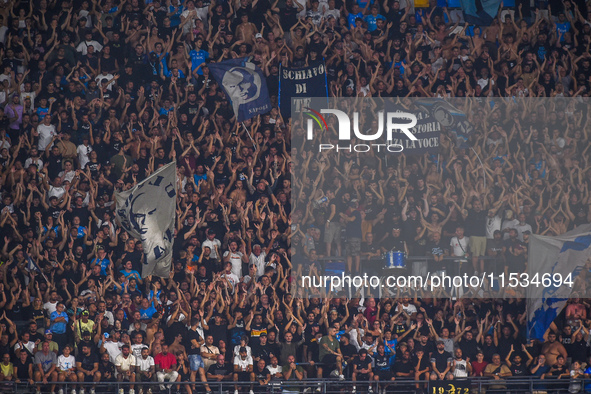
147 212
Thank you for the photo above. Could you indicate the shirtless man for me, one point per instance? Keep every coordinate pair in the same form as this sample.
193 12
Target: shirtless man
552 349
176 347
246 30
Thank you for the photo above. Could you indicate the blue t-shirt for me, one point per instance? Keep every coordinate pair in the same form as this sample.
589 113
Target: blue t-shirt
562 28
198 58
130 273
363 3
104 263
41 112
175 19
588 385
164 111
147 314
372 21
59 327
198 178
351 19
80 232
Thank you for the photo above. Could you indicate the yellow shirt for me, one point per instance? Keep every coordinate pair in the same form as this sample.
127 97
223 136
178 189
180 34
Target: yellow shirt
81 327
6 370
421 3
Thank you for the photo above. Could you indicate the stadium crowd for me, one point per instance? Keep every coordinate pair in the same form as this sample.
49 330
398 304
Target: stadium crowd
97 95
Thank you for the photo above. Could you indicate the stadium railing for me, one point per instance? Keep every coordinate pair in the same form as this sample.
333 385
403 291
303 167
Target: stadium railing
532 385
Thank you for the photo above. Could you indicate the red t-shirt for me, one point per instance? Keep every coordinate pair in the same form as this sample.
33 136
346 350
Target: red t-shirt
165 362
478 368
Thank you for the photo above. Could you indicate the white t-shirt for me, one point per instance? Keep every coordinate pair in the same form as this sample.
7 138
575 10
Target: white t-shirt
274 370
521 228
108 77
236 260
212 244
31 95
125 363
37 161
459 246
233 279
508 224
136 350
492 224
45 135
56 192
259 262
83 47
114 350
50 307
66 363
4 144
237 351
243 364
30 346
410 309
460 370
145 364
86 14
67 176
191 24
83 152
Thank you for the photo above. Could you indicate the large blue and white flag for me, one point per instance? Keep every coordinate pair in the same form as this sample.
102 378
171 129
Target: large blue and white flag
480 16
244 85
147 212
566 255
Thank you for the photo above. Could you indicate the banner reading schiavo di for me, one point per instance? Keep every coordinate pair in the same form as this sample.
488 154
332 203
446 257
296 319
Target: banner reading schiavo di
298 85
361 125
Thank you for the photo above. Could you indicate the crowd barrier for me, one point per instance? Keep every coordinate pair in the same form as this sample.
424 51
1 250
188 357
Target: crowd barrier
531 385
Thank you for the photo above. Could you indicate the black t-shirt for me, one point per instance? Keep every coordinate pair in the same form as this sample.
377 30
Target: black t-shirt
261 374
404 367
578 351
435 249
469 348
90 344
106 367
382 363
518 370
476 223
87 362
505 346
558 370
219 332
190 109
22 369
488 352
348 350
192 334
263 352
362 364
422 364
428 347
216 369
441 360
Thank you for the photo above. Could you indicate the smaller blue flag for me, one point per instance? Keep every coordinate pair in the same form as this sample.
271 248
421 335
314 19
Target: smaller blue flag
244 85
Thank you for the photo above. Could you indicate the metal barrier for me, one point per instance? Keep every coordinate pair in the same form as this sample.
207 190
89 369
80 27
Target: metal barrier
328 386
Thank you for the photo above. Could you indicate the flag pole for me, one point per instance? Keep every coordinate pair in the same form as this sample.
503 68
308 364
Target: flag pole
481 166
249 136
